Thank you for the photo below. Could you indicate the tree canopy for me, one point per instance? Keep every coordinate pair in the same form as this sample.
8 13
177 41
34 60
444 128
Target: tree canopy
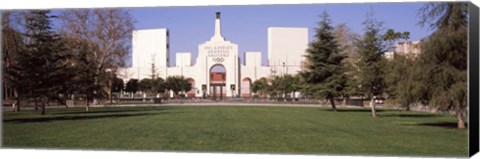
371 63
132 86
38 72
177 84
444 57
325 70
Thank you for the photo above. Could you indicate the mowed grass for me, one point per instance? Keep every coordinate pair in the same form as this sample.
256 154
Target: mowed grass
245 129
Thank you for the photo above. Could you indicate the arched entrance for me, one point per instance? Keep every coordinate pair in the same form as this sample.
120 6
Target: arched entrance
192 92
246 90
218 77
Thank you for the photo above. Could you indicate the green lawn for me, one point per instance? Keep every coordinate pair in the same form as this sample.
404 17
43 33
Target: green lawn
238 129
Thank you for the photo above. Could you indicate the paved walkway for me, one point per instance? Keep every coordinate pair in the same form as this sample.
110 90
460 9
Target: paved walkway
7 109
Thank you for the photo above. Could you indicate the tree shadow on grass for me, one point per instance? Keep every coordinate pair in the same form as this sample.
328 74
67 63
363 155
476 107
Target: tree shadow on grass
450 125
408 115
62 118
113 111
352 110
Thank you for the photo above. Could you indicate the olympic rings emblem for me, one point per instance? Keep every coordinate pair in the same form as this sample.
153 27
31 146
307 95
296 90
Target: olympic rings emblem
218 59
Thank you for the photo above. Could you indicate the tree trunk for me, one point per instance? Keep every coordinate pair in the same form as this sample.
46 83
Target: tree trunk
87 107
17 106
36 104
110 96
111 99
294 96
372 105
43 108
362 101
5 87
72 97
333 104
344 101
461 122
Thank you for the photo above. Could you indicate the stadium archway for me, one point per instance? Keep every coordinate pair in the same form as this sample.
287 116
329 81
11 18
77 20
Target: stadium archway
218 76
246 90
192 92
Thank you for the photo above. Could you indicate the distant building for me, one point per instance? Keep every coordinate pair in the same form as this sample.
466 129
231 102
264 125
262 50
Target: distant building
286 49
150 48
217 69
405 48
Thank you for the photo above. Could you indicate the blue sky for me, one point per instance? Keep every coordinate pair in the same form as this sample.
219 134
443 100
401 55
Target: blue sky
247 25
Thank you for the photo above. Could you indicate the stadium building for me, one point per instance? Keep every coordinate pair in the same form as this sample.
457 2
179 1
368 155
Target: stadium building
217 70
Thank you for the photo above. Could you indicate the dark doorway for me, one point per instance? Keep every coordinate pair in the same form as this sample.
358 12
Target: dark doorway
218 78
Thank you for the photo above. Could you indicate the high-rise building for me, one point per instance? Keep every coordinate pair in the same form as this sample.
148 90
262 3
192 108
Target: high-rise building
286 49
149 47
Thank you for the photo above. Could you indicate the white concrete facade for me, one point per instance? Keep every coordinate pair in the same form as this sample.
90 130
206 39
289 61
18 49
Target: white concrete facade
286 49
405 48
151 46
183 59
412 47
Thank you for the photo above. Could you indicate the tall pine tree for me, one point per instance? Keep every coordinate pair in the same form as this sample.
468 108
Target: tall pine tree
39 72
371 62
86 74
324 72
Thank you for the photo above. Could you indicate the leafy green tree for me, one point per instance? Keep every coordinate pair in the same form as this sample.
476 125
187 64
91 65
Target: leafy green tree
444 57
177 84
371 62
185 86
158 85
39 72
352 84
402 79
325 71
83 71
84 80
132 86
260 86
281 86
277 87
304 88
117 85
403 89
288 83
295 85
146 85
